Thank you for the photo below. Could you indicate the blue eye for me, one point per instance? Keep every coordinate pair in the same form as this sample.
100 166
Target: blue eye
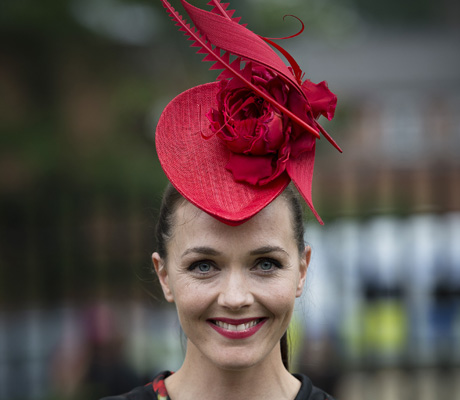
268 265
204 267
201 267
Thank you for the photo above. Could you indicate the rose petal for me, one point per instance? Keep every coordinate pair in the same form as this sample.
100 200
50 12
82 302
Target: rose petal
281 163
300 107
242 142
321 99
304 142
250 169
278 90
275 135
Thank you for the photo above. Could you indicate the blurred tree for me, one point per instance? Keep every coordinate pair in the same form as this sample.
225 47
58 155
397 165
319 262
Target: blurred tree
82 84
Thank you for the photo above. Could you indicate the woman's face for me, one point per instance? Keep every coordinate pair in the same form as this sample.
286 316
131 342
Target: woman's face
234 286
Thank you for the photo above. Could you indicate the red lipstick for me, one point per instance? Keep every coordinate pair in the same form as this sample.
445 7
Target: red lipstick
236 328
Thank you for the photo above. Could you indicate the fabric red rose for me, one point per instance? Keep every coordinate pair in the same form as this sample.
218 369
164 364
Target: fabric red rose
260 138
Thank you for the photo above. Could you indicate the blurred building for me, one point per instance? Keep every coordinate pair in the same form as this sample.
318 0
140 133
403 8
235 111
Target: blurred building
401 129
82 84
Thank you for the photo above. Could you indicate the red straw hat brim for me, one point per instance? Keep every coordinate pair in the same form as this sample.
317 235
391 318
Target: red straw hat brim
196 166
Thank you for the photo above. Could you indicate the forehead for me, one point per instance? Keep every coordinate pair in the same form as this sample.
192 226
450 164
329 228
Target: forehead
272 224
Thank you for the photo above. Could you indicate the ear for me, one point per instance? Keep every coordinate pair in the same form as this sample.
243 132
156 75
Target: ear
162 273
304 262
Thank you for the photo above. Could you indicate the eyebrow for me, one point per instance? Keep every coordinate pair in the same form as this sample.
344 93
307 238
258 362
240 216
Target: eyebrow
268 249
201 250
205 250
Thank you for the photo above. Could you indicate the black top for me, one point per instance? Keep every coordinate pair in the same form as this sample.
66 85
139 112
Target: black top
156 390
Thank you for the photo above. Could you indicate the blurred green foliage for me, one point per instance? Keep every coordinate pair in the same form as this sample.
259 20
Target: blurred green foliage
81 88
49 54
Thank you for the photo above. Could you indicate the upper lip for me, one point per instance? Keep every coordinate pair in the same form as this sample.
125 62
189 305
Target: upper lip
235 321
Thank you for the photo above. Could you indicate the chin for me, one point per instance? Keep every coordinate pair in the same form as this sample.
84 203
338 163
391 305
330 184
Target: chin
236 360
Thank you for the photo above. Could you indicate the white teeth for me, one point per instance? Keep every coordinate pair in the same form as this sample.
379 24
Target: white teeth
236 328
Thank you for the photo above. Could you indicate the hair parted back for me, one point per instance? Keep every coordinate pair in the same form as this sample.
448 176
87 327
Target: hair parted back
164 231
172 199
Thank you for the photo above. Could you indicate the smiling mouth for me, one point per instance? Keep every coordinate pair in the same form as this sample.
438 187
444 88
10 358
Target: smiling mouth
237 328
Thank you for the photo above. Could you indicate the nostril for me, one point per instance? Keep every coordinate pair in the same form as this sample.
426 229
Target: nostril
235 292
235 299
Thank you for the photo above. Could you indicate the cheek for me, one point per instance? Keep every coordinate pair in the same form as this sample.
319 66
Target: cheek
281 298
186 313
190 303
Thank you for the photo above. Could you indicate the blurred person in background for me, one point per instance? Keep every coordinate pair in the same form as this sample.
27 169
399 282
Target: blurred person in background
91 362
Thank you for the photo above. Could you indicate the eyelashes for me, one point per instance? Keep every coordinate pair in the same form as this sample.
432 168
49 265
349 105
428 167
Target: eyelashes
268 265
265 265
202 267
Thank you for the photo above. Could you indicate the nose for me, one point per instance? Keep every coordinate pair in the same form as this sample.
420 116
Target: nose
235 292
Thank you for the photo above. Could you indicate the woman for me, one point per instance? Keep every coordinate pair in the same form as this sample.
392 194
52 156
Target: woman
234 288
230 251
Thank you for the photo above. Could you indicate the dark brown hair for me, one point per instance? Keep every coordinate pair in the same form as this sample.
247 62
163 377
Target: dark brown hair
172 199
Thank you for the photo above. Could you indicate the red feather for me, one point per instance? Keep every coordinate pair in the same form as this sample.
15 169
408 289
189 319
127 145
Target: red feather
295 67
238 40
221 9
213 54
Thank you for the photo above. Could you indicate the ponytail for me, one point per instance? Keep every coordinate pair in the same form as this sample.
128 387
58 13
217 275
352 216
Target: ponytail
285 350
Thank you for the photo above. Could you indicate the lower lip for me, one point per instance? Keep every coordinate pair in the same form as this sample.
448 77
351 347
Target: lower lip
237 334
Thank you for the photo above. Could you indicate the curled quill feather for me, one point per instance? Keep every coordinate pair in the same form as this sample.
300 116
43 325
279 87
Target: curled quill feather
222 62
218 35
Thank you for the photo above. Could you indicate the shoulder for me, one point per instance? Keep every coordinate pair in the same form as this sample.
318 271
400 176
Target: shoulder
308 391
147 392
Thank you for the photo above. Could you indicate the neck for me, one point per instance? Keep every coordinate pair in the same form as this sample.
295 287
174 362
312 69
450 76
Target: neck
199 378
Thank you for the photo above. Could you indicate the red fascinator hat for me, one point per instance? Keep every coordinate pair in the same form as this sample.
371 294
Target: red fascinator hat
232 146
